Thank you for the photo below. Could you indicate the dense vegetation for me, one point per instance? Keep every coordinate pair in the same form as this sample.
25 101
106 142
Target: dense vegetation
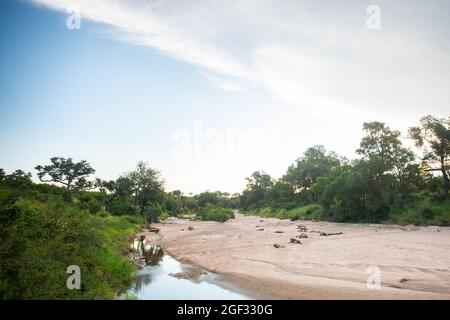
386 183
45 228
215 214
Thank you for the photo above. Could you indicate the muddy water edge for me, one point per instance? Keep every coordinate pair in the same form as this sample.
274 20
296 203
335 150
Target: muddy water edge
161 277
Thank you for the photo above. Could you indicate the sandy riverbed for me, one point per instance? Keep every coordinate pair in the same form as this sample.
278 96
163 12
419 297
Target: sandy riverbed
414 261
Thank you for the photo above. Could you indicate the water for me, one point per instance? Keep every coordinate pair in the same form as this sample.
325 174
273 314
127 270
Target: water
155 282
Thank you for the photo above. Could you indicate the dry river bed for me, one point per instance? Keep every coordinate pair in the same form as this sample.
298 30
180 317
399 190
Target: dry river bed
332 260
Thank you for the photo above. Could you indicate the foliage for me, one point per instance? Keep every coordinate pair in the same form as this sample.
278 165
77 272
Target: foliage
40 239
375 187
73 175
433 136
146 189
215 214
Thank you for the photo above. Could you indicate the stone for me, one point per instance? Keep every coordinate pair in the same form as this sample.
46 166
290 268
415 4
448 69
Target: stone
324 234
296 241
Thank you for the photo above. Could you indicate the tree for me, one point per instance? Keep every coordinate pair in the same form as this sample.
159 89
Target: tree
433 137
73 175
382 150
2 175
122 187
147 189
258 184
385 163
118 195
18 179
344 193
316 162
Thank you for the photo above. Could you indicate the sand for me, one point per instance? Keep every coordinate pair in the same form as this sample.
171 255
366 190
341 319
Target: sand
414 262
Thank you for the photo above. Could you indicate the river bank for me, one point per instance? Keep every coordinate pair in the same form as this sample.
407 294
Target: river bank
330 262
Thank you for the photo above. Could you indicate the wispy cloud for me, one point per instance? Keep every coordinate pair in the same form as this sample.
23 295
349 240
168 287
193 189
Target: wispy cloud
143 23
318 56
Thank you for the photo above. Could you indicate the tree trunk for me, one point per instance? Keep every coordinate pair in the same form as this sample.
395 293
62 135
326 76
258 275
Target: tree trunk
445 176
446 183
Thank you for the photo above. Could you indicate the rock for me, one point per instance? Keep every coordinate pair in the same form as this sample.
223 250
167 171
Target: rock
191 228
324 234
276 245
302 228
155 230
262 229
261 220
188 275
279 231
296 241
182 229
302 236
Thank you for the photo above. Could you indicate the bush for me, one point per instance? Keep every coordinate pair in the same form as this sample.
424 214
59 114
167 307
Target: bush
311 211
215 214
39 240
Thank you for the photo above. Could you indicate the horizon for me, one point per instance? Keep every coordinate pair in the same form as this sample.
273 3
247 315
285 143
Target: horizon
209 96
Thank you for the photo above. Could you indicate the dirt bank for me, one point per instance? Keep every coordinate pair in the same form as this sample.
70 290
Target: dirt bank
414 261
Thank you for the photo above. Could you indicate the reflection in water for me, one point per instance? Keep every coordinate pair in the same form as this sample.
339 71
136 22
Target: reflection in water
155 281
153 255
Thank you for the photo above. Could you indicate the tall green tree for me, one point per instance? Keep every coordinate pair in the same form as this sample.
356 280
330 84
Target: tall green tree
258 184
316 162
382 150
18 179
147 190
433 137
73 175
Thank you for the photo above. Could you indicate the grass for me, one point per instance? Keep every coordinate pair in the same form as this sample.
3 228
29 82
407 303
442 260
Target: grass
422 211
309 212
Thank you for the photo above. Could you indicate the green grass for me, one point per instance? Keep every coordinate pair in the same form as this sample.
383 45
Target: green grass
309 212
422 212
215 214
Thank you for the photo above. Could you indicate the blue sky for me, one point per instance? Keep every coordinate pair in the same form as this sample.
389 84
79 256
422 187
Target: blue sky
150 80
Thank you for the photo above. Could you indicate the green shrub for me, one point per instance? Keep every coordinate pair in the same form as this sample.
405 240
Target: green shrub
215 214
39 240
311 211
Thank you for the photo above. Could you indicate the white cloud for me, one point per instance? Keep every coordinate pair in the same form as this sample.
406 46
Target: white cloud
316 56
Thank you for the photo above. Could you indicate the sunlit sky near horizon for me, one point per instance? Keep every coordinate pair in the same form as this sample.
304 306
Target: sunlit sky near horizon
209 91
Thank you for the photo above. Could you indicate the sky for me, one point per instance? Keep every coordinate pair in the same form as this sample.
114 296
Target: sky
209 91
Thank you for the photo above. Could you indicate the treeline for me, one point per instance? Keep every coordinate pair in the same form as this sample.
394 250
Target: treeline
137 192
386 183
